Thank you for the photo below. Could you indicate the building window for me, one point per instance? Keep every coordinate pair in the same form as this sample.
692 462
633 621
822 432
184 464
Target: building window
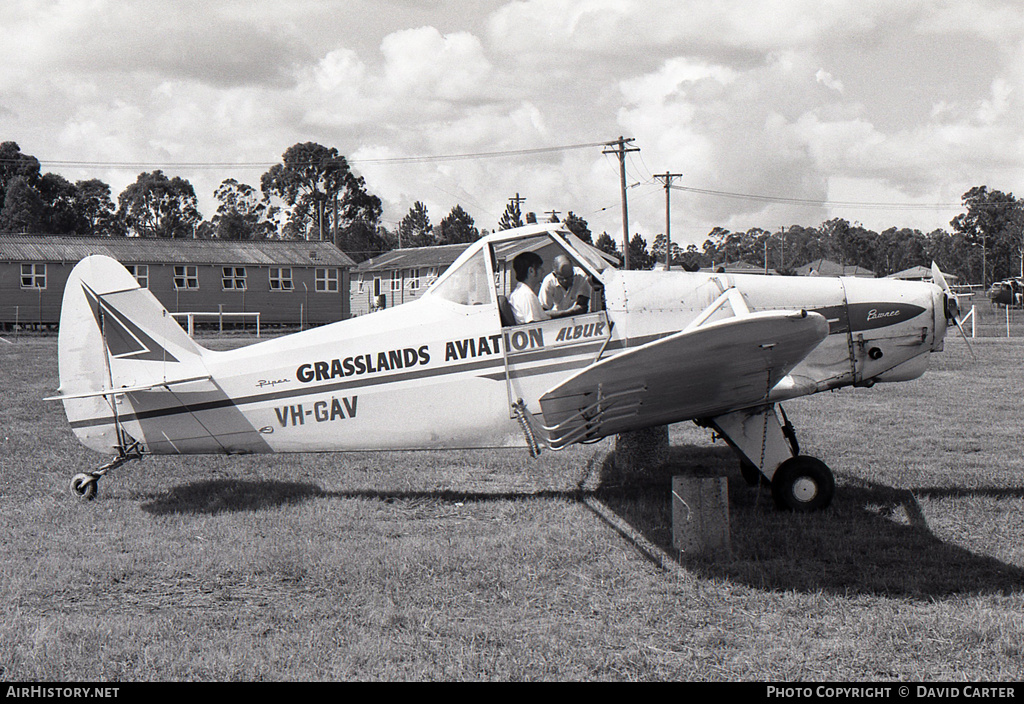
33 276
414 279
140 272
396 280
281 279
233 278
186 278
327 280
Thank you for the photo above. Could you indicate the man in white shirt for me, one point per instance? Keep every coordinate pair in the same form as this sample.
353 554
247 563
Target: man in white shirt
565 291
529 270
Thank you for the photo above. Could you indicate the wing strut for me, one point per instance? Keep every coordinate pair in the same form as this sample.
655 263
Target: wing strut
731 296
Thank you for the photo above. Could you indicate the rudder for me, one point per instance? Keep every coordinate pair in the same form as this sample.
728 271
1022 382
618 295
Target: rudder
115 334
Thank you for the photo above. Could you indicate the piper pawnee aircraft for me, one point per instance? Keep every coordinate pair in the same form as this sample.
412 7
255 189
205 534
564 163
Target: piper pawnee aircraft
451 370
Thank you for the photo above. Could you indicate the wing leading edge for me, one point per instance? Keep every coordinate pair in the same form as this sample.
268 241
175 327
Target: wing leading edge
700 372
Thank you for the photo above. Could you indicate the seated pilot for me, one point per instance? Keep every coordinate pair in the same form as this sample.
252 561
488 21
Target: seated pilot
565 291
529 270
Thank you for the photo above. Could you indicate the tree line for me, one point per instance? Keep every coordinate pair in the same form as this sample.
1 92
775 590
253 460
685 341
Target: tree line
314 195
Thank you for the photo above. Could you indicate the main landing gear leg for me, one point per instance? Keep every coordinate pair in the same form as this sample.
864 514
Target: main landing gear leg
768 449
85 485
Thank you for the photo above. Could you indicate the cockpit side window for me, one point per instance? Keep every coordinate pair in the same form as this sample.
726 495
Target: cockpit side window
469 285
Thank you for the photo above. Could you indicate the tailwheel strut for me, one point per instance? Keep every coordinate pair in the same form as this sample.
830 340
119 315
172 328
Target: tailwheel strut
85 485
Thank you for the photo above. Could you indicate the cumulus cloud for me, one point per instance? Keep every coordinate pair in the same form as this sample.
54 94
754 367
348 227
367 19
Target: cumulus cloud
828 80
186 40
795 98
426 64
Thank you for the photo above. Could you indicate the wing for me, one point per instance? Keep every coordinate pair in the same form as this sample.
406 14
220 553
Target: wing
701 372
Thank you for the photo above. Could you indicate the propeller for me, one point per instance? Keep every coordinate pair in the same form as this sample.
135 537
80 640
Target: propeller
952 305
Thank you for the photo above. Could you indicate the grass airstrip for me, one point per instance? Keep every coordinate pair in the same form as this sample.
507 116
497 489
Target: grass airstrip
493 566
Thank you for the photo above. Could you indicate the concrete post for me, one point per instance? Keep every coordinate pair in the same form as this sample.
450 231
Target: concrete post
700 516
639 452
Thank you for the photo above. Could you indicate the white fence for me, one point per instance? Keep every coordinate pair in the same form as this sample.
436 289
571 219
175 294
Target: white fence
190 319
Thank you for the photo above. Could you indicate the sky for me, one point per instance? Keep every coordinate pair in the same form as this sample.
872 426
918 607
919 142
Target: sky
772 112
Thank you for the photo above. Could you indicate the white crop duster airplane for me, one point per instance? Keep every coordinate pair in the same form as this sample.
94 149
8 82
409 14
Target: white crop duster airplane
450 370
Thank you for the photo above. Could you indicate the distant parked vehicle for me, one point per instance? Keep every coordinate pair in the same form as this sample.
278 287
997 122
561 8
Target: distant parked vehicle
1008 292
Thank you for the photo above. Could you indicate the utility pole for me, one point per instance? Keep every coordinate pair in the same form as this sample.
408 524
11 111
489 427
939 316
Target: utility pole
553 215
782 249
620 150
668 178
518 200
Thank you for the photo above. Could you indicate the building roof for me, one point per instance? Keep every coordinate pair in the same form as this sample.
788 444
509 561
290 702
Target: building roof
920 273
414 257
127 250
738 267
826 267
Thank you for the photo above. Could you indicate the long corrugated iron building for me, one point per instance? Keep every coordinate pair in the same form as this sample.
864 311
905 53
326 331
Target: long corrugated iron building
287 282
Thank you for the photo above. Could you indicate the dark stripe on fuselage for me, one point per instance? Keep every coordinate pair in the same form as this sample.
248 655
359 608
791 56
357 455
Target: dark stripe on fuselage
860 318
363 382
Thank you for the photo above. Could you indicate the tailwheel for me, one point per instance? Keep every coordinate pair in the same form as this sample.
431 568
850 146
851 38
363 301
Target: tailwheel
803 484
84 486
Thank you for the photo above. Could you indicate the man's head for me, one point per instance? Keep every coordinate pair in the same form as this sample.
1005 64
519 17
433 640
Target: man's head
529 268
563 271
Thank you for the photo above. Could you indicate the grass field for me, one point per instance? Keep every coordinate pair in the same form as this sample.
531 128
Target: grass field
493 566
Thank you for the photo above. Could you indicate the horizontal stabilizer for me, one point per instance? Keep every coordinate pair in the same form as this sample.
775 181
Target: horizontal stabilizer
128 389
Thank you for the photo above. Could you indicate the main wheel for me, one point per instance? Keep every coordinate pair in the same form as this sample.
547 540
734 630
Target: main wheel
803 484
84 486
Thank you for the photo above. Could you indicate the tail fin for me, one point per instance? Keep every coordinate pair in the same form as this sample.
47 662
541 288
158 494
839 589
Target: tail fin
114 335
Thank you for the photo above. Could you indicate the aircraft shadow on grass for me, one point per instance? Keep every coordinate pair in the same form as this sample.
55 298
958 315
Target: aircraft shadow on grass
226 495
873 540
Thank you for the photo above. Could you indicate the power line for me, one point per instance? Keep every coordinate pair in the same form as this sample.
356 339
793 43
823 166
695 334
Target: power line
74 163
821 203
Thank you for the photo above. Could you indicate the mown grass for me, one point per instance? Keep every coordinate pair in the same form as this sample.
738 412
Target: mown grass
492 566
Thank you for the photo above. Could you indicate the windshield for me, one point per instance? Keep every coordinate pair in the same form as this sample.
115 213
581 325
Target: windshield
468 285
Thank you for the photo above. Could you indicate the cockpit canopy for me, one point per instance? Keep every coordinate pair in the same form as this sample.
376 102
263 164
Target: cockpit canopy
484 271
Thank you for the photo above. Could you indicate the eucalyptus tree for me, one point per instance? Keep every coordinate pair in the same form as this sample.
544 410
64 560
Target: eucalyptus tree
243 213
158 206
95 207
322 194
994 222
14 164
23 210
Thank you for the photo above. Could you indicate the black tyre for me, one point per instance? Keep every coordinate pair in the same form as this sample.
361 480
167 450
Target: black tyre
84 486
803 484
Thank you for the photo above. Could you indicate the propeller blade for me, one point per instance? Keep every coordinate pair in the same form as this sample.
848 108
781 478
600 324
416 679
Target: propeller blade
938 278
966 341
